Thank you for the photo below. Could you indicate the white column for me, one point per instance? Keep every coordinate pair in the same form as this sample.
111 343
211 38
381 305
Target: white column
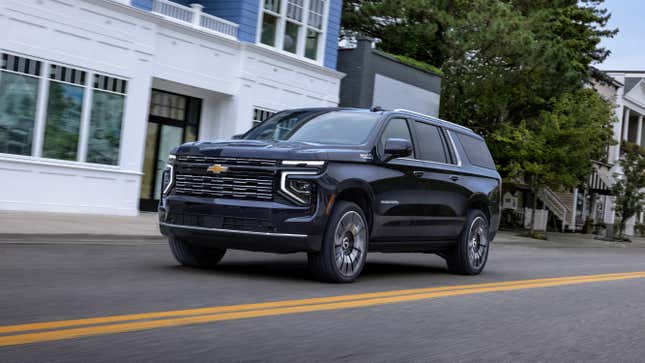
626 125
639 131
197 14
84 129
41 109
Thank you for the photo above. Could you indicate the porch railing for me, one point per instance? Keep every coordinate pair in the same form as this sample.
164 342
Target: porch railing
556 206
194 16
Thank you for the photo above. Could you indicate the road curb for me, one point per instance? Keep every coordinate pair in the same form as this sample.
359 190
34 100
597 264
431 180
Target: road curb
78 238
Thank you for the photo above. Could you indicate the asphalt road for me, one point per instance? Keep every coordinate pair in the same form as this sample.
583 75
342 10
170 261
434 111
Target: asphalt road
590 320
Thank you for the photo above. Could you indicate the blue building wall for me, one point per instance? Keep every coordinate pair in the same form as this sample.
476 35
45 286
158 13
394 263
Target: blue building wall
142 4
243 12
333 31
246 12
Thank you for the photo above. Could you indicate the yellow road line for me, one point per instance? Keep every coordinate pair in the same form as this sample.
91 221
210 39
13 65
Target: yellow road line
263 312
275 304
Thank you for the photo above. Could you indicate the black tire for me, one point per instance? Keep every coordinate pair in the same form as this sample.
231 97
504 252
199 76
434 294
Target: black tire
194 255
324 265
458 259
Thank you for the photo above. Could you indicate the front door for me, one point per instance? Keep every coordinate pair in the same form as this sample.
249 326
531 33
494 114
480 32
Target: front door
397 192
173 120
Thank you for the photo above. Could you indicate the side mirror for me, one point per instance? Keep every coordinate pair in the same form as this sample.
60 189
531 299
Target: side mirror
397 148
237 137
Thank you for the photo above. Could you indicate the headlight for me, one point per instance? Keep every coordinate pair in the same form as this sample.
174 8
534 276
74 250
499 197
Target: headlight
299 190
167 178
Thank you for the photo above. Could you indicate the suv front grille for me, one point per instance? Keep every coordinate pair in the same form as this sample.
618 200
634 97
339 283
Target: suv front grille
226 161
244 179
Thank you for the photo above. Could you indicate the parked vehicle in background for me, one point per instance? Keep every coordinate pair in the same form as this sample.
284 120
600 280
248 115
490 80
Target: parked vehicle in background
335 183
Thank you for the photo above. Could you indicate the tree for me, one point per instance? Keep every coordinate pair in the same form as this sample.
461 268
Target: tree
557 149
514 71
503 60
628 187
412 28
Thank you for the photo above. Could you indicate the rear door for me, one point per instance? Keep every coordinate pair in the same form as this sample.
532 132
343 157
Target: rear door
442 204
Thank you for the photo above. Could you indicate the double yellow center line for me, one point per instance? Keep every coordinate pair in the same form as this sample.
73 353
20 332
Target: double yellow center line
67 329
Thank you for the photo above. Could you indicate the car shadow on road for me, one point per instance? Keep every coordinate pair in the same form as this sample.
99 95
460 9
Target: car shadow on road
293 270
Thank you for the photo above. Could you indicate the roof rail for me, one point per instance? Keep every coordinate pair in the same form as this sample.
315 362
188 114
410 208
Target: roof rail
433 118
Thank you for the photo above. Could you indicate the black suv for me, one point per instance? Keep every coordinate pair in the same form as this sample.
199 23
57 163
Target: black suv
335 183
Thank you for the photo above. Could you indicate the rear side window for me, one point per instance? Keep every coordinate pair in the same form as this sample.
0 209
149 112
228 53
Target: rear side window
430 142
476 151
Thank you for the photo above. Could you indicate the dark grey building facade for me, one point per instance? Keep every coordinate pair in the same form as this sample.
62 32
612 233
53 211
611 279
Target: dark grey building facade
374 78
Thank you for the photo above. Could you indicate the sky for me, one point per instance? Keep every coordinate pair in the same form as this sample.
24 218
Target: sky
628 46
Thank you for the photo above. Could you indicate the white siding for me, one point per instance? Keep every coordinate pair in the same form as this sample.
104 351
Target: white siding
116 39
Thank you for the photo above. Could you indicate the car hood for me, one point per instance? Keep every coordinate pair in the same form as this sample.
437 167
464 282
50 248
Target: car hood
278 150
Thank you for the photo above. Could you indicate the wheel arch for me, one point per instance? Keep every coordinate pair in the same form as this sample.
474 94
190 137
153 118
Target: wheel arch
481 202
358 192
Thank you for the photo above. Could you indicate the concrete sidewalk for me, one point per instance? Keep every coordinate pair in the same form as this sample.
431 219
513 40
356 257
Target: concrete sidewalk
53 227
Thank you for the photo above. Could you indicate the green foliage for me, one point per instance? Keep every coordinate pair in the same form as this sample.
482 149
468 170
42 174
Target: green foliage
514 71
413 28
627 189
417 64
558 147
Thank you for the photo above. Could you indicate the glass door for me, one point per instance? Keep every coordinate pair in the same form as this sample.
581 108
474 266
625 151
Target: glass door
173 120
169 138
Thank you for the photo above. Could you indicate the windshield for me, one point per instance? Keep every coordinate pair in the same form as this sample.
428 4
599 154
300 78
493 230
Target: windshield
321 127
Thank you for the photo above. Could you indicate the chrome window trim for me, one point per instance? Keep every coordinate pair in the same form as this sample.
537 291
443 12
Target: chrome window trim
283 182
428 162
236 231
402 110
454 147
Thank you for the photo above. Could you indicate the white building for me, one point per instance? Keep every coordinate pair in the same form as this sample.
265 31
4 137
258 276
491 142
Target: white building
629 98
94 93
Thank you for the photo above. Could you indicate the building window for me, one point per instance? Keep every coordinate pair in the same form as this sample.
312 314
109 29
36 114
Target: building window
168 105
295 26
19 79
67 130
260 115
64 113
108 101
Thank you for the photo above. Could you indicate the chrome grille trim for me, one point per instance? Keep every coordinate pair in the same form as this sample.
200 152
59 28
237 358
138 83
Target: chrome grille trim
268 234
244 179
226 160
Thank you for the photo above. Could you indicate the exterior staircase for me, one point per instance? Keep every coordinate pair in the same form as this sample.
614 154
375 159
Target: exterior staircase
559 204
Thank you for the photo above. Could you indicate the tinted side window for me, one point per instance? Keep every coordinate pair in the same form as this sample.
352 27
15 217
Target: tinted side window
476 151
396 128
430 142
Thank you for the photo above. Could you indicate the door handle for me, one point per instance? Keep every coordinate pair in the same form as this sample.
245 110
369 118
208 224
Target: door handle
453 177
418 173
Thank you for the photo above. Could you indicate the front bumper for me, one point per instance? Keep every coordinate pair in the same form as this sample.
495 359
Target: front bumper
269 226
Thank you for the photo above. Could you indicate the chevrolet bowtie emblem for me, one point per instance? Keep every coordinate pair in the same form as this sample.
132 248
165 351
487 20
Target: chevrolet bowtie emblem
216 168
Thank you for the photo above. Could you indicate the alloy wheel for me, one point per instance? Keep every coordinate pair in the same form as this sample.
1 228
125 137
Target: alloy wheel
350 241
477 243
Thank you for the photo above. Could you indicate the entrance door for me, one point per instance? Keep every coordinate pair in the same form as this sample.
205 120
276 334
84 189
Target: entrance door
173 120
